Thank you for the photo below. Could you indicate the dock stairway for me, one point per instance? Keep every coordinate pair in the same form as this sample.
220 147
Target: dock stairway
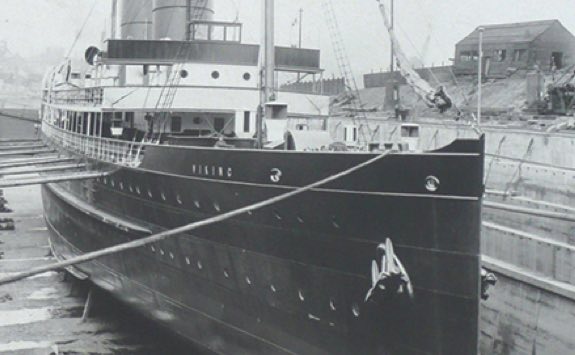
32 162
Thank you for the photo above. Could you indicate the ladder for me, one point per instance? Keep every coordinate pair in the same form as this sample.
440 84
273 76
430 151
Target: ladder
345 66
170 89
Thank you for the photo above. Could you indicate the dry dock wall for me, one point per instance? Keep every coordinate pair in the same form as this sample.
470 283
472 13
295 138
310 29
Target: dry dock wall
528 234
522 319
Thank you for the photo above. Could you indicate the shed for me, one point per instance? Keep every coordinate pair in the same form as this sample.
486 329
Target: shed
516 46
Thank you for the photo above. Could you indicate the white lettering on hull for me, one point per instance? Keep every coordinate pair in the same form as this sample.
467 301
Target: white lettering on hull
212 171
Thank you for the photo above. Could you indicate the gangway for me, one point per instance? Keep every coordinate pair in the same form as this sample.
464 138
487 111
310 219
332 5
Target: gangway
16 147
47 179
16 163
24 172
47 169
38 168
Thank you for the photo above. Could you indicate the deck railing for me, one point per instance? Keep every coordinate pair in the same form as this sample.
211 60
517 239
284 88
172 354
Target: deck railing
88 96
115 151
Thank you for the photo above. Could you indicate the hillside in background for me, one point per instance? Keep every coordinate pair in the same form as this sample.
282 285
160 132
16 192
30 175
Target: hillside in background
505 95
21 77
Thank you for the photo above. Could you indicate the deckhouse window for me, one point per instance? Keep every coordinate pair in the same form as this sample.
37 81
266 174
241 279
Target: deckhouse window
176 124
247 119
200 31
469 56
520 55
499 55
215 31
233 33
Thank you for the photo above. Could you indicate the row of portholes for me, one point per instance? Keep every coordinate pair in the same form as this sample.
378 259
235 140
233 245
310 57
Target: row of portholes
300 293
163 195
215 75
197 204
136 189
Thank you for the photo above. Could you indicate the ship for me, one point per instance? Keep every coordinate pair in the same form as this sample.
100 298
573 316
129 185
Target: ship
187 122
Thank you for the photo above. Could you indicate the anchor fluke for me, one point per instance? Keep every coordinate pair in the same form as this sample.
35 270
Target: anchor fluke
392 278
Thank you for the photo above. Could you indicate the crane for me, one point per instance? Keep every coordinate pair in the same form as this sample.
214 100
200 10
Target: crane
345 68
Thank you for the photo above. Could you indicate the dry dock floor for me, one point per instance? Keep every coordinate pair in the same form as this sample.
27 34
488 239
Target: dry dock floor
43 315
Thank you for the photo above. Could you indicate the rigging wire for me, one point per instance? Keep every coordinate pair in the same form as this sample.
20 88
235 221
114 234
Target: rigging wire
79 34
345 69
173 77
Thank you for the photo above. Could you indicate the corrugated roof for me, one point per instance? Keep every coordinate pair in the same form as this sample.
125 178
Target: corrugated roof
510 32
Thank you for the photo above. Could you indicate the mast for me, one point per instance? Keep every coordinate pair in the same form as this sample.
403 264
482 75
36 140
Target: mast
269 51
394 86
114 19
268 70
300 37
392 63
479 75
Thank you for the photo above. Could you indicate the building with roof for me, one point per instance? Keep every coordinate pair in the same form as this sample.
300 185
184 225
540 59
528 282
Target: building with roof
516 46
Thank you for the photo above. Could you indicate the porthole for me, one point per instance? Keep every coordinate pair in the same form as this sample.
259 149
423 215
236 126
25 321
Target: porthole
183 73
215 74
332 304
277 215
179 200
334 222
200 266
188 260
247 76
432 183
300 295
150 193
355 309
248 280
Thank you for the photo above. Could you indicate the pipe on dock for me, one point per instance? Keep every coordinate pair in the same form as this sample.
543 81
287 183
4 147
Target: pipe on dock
530 211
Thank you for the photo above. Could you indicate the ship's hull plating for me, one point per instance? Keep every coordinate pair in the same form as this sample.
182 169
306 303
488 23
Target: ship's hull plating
291 278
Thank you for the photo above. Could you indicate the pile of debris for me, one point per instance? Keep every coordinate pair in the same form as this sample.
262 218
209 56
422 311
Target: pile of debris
5 223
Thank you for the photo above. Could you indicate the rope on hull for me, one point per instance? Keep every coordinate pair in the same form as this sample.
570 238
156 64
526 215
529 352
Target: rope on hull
187 228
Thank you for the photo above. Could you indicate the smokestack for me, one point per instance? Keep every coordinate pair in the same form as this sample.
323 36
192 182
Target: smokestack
171 18
136 19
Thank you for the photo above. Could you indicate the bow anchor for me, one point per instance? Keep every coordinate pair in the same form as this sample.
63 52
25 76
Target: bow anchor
391 278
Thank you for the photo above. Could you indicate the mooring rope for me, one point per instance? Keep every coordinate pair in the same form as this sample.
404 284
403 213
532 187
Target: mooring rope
187 228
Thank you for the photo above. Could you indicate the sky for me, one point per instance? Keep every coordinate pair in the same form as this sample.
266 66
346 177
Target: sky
31 26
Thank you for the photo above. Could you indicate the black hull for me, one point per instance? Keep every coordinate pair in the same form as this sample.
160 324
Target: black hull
291 278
